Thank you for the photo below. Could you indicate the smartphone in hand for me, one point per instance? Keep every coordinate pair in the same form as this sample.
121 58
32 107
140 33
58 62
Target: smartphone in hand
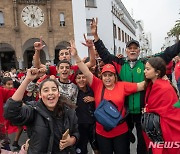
65 135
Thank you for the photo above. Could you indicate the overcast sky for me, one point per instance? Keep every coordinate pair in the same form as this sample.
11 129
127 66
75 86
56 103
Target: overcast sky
159 17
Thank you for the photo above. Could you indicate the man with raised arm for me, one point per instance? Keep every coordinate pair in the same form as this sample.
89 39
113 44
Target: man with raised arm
131 69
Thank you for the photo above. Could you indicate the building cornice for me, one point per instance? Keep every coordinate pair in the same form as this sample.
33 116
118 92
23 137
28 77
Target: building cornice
126 12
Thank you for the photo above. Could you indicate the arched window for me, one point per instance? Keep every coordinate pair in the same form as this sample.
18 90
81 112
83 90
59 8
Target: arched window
1 19
62 20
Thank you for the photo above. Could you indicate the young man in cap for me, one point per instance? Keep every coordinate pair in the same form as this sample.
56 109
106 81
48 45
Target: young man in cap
131 69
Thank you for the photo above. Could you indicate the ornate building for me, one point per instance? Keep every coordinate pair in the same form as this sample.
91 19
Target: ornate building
22 22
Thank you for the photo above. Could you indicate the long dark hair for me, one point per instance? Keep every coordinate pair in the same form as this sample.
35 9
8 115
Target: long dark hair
62 101
159 66
59 108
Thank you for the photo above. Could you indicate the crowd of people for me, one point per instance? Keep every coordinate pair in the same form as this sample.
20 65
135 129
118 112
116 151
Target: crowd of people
55 104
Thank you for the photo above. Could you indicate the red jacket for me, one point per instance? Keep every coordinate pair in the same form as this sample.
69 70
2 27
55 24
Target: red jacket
4 95
161 99
177 71
169 67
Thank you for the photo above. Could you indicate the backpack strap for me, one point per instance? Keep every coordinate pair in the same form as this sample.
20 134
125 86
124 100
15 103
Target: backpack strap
102 93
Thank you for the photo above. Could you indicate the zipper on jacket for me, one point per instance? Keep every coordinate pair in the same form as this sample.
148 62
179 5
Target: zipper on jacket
133 93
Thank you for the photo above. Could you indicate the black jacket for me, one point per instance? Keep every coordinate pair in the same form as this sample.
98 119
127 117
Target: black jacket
85 111
40 124
107 57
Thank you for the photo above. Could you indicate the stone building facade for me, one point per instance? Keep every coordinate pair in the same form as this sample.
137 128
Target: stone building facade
22 22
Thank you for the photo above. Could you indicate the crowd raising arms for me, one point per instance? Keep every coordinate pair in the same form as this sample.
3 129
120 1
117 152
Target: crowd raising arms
38 46
131 68
109 81
118 135
85 70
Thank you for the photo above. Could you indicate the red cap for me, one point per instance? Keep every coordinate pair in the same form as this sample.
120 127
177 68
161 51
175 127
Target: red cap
108 68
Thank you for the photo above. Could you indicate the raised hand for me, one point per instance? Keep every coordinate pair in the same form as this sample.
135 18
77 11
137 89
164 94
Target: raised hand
119 55
72 48
41 72
32 74
93 26
88 43
38 45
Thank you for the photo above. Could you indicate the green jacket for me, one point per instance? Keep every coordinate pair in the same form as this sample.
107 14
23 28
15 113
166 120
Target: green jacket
136 101
135 74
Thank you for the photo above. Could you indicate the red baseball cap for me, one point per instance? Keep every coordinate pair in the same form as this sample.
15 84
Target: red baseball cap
108 68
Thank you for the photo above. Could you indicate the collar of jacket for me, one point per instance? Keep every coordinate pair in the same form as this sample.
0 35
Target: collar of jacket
45 113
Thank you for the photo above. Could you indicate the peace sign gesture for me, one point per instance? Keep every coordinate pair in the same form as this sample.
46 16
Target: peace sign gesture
72 48
38 45
88 43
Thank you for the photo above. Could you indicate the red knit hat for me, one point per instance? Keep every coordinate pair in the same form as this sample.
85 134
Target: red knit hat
108 68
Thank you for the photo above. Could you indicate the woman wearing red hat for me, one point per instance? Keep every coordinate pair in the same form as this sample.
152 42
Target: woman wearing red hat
116 140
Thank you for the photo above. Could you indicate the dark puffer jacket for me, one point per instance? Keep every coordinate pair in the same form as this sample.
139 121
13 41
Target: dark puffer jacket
40 124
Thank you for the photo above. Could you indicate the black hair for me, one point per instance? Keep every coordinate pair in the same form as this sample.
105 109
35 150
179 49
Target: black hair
78 72
63 61
59 108
6 79
159 66
59 105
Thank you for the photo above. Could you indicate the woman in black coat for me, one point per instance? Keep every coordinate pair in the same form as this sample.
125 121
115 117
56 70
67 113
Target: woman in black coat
46 119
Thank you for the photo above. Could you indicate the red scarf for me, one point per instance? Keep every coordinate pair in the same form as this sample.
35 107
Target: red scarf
160 98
